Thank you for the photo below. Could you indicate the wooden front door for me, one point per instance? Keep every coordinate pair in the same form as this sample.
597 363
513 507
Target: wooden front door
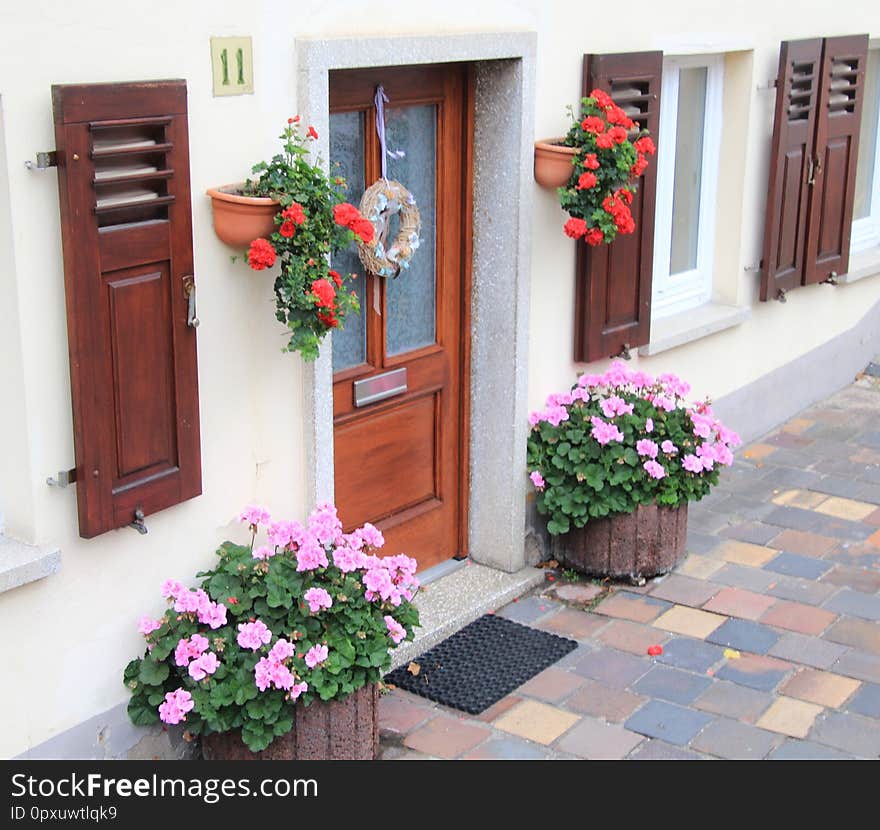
400 460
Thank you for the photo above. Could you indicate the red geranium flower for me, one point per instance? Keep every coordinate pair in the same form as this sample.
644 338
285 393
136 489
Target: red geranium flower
325 292
594 236
312 133
287 229
364 229
295 213
604 141
645 144
586 181
591 162
617 135
575 228
593 124
345 214
639 167
337 280
261 254
603 99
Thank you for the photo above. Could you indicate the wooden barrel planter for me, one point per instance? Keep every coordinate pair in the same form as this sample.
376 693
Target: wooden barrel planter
338 730
649 541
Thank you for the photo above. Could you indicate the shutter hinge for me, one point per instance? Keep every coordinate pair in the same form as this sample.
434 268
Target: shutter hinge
769 85
624 352
64 478
831 279
45 160
138 523
780 295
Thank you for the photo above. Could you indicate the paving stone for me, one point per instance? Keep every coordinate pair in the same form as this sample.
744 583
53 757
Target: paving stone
790 717
580 592
734 701
699 567
806 544
804 591
866 701
855 604
673 724
627 606
446 737
791 564
849 733
613 668
789 440
744 635
737 602
496 710
821 687
808 651
551 685
506 749
755 671
629 636
863 635
855 555
859 665
756 533
692 655
528 609
601 701
859 579
568 622
797 426
700 542
655 750
758 452
683 620
874 518
836 486
671 684
850 509
796 750
537 722
737 741
685 590
395 752
742 576
806 499
843 529
793 518
707 521
599 741
744 553
399 714
737 504
795 616
782 478
574 657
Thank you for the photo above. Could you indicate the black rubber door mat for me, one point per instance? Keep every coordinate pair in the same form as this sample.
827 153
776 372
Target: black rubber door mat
481 664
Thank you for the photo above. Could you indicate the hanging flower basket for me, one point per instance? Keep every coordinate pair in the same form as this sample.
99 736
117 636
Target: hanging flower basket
554 162
237 218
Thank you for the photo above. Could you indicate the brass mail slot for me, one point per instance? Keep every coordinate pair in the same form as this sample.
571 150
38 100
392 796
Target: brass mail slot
379 387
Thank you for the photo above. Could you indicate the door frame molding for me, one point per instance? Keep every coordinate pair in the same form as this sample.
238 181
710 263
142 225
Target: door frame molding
504 91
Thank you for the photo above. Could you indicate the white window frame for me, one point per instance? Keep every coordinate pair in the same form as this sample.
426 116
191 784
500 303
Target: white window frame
866 231
672 294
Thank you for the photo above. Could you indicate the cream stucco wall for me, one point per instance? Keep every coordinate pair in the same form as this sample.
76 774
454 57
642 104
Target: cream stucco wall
66 638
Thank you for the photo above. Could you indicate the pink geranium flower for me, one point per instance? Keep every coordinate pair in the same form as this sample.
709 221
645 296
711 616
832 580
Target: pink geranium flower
655 470
604 432
253 635
537 480
395 630
646 447
316 655
147 625
317 598
202 666
692 463
175 707
254 515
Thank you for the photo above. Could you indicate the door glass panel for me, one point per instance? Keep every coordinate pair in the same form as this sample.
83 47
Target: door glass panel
688 169
410 299
347 160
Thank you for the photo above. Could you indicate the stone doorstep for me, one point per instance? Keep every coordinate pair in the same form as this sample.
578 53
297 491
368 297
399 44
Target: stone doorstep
451 602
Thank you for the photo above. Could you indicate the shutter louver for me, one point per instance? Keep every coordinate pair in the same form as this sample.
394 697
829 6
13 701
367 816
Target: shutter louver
126 231
836 154
794 126
613 282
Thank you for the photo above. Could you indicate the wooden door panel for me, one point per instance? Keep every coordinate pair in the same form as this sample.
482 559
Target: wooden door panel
397 462
831 195
389 461
790 238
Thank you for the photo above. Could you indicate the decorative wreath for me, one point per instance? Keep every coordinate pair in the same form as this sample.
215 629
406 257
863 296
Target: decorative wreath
383 200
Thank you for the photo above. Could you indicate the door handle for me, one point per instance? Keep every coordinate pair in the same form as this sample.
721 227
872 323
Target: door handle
189 291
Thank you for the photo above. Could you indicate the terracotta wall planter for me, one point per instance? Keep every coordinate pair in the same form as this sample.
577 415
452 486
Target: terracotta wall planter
340 730
553 167
647 542
238 220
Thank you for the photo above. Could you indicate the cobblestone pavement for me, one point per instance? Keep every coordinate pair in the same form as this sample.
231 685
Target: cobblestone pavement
770 627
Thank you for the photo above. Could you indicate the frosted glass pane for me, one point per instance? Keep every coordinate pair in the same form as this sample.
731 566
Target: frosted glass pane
409 299
868 139
688 169
347 160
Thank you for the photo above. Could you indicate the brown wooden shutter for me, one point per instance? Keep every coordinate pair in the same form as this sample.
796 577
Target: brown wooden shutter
836 153
794 127
613 282
126 227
